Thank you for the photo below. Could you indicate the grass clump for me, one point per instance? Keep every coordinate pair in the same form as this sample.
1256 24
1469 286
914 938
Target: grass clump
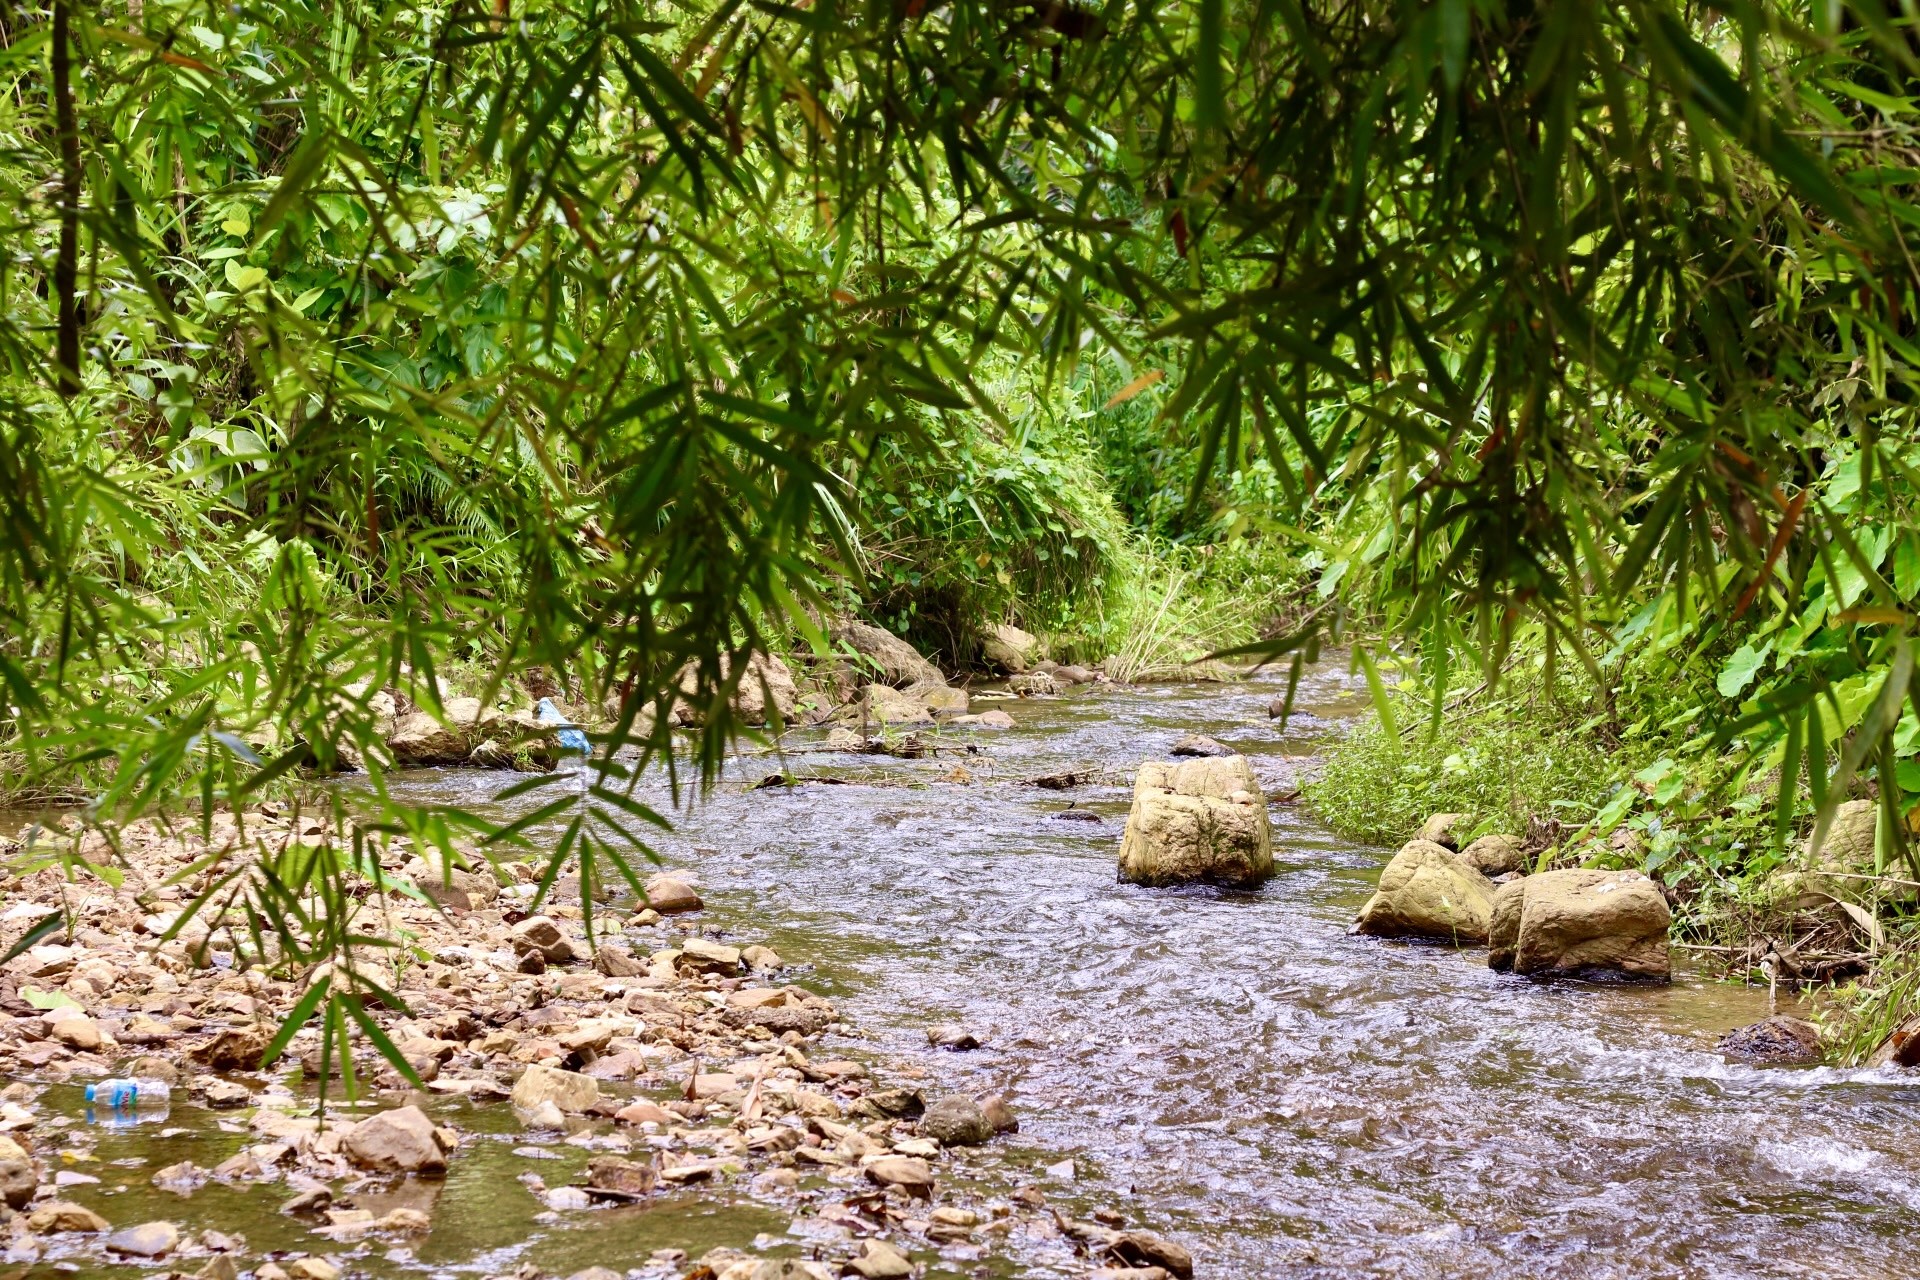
1503 765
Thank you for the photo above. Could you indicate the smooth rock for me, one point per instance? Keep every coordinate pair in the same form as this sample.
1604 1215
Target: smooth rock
669 896
1442 829
951 1035
1583 922
53 1216
999 1113
1144 1249
541 934
148 1240
1198 744
1008 648
569 1091
1428 892
878 1260
312 1268
912 1176
703 955
956 1121
995 719
1198 820
400 1141
1495 855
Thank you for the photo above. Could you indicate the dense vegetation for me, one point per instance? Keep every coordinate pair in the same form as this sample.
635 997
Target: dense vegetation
351 344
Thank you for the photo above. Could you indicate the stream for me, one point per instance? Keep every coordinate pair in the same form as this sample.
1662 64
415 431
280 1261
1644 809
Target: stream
1234 1069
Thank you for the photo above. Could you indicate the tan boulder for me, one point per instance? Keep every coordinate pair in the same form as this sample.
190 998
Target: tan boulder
1008 648
403 1140
766 689
1444 829
421 739
1495 855
568 1090
889 706
1582 922
53 1216
1197 820
669 896
1503 925
886 657
1428 892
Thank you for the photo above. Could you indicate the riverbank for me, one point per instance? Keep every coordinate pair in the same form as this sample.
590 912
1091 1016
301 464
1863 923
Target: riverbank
675 1072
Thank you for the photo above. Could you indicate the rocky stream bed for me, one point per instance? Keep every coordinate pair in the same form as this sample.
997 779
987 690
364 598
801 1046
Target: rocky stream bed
1230 1077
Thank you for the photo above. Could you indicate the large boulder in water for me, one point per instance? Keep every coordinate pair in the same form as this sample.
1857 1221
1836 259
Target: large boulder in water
1582 923
1428 891
889 659
1198 820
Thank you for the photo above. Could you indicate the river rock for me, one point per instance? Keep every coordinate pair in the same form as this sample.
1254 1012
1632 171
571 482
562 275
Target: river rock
885 705
400 1141
951 1035
878 1260
1495 855
941 700
1009 649
1073 674
541 934
1848 850
703 955
1199 744
1144 1249
1033 684
570 1091
79 1032
1582 922
1428 892
911 1175
18 1177
1443 829
627 1177
956 1121
994 719
148 1240
421 739
999 1113
235 1049
1778 1040
1901 1048
889 659
670 896
51 1217
1198 820
766 691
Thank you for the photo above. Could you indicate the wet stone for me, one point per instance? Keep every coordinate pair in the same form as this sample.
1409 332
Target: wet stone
148 1240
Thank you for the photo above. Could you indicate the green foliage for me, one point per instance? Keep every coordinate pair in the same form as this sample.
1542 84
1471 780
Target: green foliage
1500 761
346 341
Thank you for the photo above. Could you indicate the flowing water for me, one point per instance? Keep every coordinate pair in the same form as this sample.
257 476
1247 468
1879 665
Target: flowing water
1234 1068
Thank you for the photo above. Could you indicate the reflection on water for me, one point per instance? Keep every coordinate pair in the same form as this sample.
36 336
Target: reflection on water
1237 1069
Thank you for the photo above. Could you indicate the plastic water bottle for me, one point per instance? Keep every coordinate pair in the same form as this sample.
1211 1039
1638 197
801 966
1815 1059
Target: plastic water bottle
128 1094
571 739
